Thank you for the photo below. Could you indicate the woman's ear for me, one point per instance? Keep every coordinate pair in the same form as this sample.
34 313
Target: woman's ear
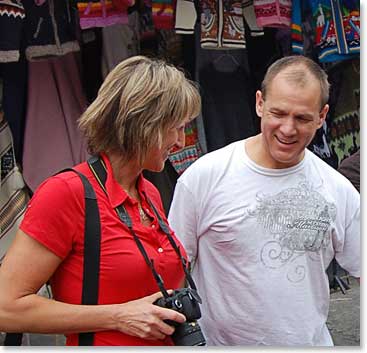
259 104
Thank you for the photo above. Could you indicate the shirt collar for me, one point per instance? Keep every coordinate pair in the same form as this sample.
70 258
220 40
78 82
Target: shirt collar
116 194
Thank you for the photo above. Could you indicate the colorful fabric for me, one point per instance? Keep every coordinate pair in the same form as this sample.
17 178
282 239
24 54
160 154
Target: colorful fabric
222 22
13 193
336 25
344 122
273 13
102 13
345 134
12 16
182 159
55 218
163 14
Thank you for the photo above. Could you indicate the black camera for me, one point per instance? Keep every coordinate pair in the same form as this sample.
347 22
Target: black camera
186 301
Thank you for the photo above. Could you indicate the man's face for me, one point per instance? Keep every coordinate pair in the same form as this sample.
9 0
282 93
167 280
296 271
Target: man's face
290 116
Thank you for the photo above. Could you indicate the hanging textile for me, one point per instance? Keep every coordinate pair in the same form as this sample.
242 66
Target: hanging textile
50 28
11 24
222 22
163 14
227 107
336 26
102 13
273 13
52 140
182 159
345 121
119 42
13 193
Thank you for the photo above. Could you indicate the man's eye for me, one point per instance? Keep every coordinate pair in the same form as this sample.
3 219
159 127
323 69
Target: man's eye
276 115
303 119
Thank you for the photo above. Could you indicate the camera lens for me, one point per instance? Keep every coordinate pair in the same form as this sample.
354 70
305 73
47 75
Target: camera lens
188 334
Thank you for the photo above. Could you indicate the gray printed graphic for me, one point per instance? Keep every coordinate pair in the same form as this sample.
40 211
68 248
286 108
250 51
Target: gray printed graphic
298 220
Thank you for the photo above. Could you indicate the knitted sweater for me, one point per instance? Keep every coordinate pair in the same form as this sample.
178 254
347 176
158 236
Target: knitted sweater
336 25
222 22
273 13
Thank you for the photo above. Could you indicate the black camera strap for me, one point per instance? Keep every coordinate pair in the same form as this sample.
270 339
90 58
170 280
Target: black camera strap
100 172
92 240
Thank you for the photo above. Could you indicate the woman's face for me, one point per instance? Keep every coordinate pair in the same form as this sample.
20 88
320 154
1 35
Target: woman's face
172 137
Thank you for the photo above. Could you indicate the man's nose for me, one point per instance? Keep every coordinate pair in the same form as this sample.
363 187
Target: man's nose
288 126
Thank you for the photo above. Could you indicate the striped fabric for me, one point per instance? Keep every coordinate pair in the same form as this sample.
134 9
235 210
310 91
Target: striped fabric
163 14
13 194
182 159
102 13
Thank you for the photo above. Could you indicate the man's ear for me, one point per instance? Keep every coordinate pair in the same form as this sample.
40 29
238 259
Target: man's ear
323 114
259 103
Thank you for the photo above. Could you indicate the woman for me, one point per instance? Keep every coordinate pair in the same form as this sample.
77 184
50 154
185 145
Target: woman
138 116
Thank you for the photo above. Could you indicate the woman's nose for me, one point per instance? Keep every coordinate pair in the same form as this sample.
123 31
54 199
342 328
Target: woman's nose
180 142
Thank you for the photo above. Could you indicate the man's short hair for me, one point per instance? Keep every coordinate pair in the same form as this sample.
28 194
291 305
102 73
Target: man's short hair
301 65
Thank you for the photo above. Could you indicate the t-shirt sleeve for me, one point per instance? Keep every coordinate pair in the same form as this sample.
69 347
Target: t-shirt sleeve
182 219
349 255
55 214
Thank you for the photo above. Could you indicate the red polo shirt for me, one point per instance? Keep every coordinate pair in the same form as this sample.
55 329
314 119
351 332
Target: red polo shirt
55 218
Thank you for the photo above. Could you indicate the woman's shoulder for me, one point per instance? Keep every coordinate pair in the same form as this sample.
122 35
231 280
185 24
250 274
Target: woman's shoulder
60 190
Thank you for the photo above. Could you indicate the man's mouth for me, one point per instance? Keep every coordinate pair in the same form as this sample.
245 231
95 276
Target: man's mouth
285 142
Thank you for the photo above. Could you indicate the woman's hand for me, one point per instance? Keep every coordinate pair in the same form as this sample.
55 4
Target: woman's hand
143 319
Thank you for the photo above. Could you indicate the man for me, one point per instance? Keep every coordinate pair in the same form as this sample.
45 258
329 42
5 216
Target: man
350 168
262 218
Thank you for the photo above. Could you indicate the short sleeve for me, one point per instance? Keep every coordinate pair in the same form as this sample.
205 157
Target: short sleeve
55 214
182 219
349 257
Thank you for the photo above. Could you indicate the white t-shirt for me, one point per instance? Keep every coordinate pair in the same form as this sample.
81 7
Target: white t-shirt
261 240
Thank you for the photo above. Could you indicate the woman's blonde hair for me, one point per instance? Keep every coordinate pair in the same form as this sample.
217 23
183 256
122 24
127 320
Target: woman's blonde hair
139 100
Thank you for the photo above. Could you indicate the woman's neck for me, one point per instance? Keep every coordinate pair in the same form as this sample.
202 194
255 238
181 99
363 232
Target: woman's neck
126 173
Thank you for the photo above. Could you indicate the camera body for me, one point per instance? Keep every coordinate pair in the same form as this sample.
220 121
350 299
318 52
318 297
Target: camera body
186 301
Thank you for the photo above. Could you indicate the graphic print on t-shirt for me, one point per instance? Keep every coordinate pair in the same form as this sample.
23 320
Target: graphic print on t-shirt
298 222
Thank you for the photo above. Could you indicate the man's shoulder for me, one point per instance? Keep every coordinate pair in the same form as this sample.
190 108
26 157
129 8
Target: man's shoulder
327 172
213 160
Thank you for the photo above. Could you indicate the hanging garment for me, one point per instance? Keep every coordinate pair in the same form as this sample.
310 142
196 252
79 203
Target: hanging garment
11 24
102 13
170 48
91 54
13 193
14 100
183 158
119 42
273 13
222 22
49 28
163 14
52 140
227 112
345 121
336 26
